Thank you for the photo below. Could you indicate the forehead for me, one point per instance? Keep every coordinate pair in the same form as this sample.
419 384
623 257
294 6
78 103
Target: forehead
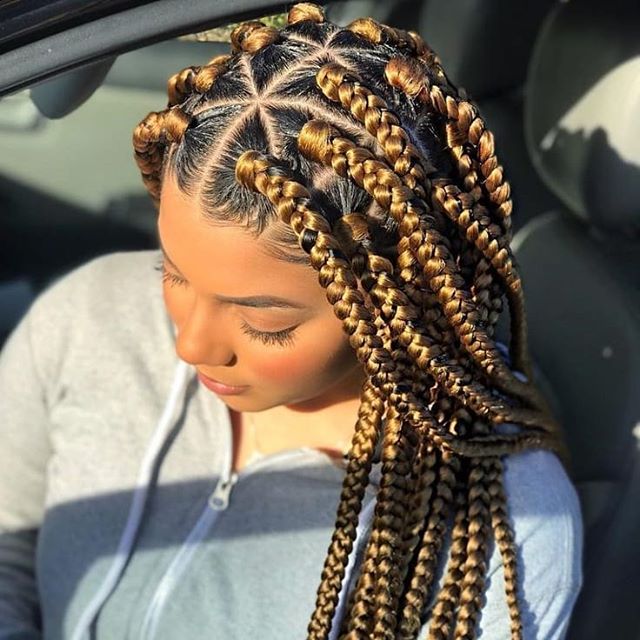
227 259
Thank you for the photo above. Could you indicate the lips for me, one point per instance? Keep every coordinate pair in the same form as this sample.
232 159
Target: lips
220 387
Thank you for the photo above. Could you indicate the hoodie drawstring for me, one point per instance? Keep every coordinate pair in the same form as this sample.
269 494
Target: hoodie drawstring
151 459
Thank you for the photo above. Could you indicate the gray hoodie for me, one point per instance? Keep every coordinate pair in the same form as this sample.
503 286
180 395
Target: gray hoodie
120 517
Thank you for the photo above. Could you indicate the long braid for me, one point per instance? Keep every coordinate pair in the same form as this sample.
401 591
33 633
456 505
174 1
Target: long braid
354 485
391 513
419 313
475 566
505 541
445 607
423 577
465 127
336 84
319 141
289 199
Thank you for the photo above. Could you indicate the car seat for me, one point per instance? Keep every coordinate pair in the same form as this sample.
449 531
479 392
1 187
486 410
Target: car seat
580 265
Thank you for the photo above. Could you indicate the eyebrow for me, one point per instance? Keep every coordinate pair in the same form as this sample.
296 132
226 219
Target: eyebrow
257 302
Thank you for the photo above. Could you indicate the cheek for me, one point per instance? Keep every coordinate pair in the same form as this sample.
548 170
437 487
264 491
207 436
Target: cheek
318 361
281 369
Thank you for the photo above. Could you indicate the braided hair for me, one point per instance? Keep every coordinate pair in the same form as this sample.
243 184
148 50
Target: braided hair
358 157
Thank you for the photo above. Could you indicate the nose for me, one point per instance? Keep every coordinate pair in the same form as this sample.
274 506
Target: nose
202 340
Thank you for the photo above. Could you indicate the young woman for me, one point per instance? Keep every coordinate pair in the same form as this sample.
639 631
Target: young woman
341 449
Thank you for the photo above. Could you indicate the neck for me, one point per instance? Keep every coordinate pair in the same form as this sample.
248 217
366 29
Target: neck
326 423
265 432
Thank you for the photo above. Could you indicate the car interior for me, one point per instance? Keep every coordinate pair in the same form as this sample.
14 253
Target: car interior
558 84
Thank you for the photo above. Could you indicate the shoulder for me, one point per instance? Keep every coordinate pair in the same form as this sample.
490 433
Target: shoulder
545 514
545 510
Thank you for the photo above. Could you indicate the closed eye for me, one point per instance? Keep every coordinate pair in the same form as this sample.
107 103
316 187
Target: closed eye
283 337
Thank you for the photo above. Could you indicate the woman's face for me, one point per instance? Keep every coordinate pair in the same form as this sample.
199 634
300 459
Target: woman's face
294 353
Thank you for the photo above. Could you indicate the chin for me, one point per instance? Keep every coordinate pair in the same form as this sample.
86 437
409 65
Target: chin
242 403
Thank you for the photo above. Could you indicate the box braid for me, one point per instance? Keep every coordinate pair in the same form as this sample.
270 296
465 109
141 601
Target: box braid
405 161
358 157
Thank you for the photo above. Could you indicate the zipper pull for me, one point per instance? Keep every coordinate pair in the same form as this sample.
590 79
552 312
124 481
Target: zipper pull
219 499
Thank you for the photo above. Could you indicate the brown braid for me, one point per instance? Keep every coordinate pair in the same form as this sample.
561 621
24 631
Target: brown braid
356 480
505 541
318 141
405 216
444 610
432 539
477 547
465 126
336 84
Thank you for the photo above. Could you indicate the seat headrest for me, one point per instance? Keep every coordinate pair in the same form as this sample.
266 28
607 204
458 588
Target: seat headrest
484 45
582 110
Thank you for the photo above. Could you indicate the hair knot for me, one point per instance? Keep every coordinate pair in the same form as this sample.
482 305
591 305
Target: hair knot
207 75
368 29
198 79
248 166
305 11
314 141
180 85
175 123
253 36
407 75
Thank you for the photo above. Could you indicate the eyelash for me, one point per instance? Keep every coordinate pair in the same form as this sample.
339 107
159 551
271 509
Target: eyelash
283 337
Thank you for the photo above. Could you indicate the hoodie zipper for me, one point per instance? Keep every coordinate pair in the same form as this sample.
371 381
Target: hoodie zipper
219 499
217 502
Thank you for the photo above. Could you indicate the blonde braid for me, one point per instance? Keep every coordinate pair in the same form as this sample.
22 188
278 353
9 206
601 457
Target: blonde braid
150 139
466 127
354 485
425 478
392 509
429 549
505 541
339 84
291 203
475 567
319 141
404 157
446 605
